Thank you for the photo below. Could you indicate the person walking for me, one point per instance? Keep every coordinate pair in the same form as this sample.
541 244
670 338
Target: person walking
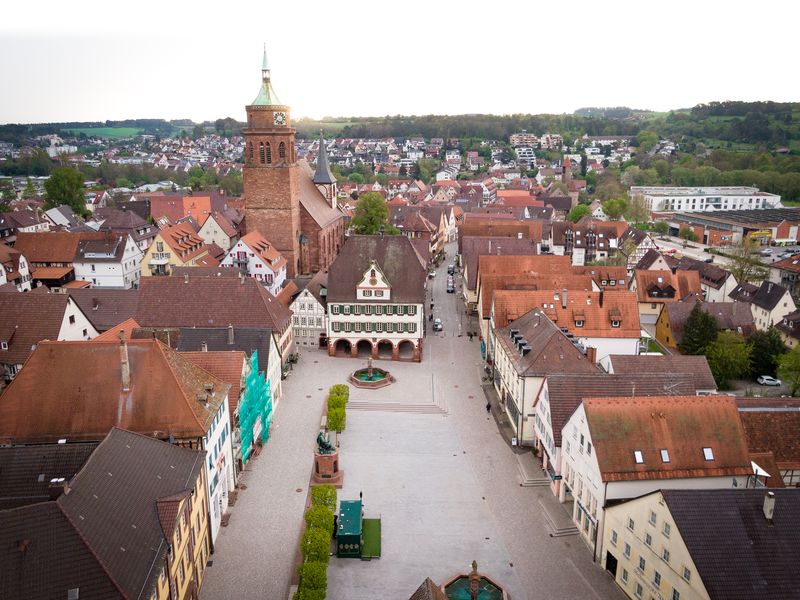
488 407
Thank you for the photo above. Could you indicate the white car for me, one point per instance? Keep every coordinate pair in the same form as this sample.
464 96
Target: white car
767 380
437 325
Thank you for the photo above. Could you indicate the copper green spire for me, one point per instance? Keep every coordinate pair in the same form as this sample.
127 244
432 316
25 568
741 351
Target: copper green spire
266 96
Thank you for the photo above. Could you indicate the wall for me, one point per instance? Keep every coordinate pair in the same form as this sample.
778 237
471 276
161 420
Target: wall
219 465
72 332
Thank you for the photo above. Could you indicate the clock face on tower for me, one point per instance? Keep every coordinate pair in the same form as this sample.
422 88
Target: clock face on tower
279 118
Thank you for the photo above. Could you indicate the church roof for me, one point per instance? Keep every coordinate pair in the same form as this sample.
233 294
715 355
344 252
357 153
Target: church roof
266 95
313 201
323 173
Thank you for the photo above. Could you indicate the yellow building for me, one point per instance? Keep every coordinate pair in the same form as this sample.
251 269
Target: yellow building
176 246
656 288
704 544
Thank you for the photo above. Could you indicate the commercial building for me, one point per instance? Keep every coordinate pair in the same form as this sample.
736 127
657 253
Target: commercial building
705 199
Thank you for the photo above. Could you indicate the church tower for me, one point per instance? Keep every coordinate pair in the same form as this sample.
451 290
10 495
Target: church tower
323 178
271 174
566 175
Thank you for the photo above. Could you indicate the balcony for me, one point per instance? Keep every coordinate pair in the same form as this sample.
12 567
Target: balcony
160 258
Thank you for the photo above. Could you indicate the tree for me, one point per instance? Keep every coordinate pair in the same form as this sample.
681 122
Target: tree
371 212
29 191
9 194
700 330
789 370
728 357
340 389
575 215
689 235
324 495
315 546
337 421
615 208
65 187
743 261
662 227
319 517
313 576
356 178
560 185
639 209
766 347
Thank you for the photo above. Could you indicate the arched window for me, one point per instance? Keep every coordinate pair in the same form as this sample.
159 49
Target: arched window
251 150
282 150
269 154
261 151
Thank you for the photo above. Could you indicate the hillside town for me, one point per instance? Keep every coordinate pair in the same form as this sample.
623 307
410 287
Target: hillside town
580 395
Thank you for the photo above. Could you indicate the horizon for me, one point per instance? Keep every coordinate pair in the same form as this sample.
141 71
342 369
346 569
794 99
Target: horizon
79 64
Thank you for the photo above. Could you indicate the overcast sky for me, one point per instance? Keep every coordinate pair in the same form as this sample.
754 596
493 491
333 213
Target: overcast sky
89 60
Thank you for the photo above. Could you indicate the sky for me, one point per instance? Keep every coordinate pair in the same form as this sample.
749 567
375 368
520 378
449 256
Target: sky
89 60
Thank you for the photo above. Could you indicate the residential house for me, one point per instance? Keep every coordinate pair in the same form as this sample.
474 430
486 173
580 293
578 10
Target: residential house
636 243
213 302
253 341
14 268
24 221
51 256
218 230
105 308
527 230
770 304
176 246
606 322
30 318
158 393
729 316
716 282
622 448
560 395
657 363
707 544
652 260
113 261
743 292
310 309
376 295
166 527
128 222
789 328
521 364
255 257
656 288
775 431
588 240
61 217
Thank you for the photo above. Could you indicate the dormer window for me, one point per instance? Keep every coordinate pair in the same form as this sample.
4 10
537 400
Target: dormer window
660 280
613 282
604 282
578 323
615 324
638 457
555 296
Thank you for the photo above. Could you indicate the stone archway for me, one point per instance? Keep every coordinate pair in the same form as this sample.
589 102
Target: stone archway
385 349
364 349
405 350
342 349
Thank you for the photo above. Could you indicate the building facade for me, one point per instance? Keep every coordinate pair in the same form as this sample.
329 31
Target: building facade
705 199
255 257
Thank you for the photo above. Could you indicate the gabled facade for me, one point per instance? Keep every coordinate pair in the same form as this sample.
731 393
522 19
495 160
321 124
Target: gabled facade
729 317
656 288
176 246
255 257
217 230
310 308
112 262
376 297
14 268
770 304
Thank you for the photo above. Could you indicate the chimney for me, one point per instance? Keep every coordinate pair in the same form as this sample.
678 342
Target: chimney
769 287
57 487
769 505
124 208
674 270
490 246
591 354
95 303
564 298
601 299
204 347
185 278
733 309
123 356
230 335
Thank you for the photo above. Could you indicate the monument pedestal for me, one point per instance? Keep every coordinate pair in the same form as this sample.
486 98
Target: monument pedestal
327 471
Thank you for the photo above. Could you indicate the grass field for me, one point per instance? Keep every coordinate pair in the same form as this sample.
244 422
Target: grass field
371 532
113 133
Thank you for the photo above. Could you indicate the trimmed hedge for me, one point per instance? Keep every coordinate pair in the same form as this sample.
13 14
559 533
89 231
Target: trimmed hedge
320 517
309 594
316 546
324 495
337 419
340 389
313 576
336 402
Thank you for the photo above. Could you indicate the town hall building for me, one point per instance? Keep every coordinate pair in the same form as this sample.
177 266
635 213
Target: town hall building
285 201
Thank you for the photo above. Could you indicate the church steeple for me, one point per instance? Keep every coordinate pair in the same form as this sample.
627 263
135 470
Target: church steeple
266 95
323 173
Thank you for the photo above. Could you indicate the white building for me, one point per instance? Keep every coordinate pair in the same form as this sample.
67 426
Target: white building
705 199
217 230
112 262
218 442
620 448
310 308
259 259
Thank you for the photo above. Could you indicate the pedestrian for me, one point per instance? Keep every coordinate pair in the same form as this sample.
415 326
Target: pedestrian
488 407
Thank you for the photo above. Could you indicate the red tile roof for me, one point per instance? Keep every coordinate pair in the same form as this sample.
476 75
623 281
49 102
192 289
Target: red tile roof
666 286
516 303
682 425
776 431
225 366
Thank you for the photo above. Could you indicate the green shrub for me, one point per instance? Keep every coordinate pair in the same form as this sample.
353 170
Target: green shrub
324 495
340 389
336 402
313 576
316 546
320 517
337 419
309 594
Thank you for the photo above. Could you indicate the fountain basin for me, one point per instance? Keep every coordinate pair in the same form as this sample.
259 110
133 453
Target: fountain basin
378 379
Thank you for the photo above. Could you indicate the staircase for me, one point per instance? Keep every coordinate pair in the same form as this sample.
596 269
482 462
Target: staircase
556 530
438 405
526 480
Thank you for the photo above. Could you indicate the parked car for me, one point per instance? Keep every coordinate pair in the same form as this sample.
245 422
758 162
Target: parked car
451 269
669 251
767 380
437 324
451 288
766 252
710 259
785 255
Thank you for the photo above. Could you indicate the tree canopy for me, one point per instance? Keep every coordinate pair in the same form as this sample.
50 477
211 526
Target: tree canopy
700 330
789 370
371 212
743 261
728 357
615 208
582 210
766 348
65 187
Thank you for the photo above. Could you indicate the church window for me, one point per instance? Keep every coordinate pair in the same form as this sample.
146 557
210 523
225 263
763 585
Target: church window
282 150
269 154
261 151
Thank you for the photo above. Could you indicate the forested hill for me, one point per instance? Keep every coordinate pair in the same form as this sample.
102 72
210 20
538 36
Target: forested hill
617 112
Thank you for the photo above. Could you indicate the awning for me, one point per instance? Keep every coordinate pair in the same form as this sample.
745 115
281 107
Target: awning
51 272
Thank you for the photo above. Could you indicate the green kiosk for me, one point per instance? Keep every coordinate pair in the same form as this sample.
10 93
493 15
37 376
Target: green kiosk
348 538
